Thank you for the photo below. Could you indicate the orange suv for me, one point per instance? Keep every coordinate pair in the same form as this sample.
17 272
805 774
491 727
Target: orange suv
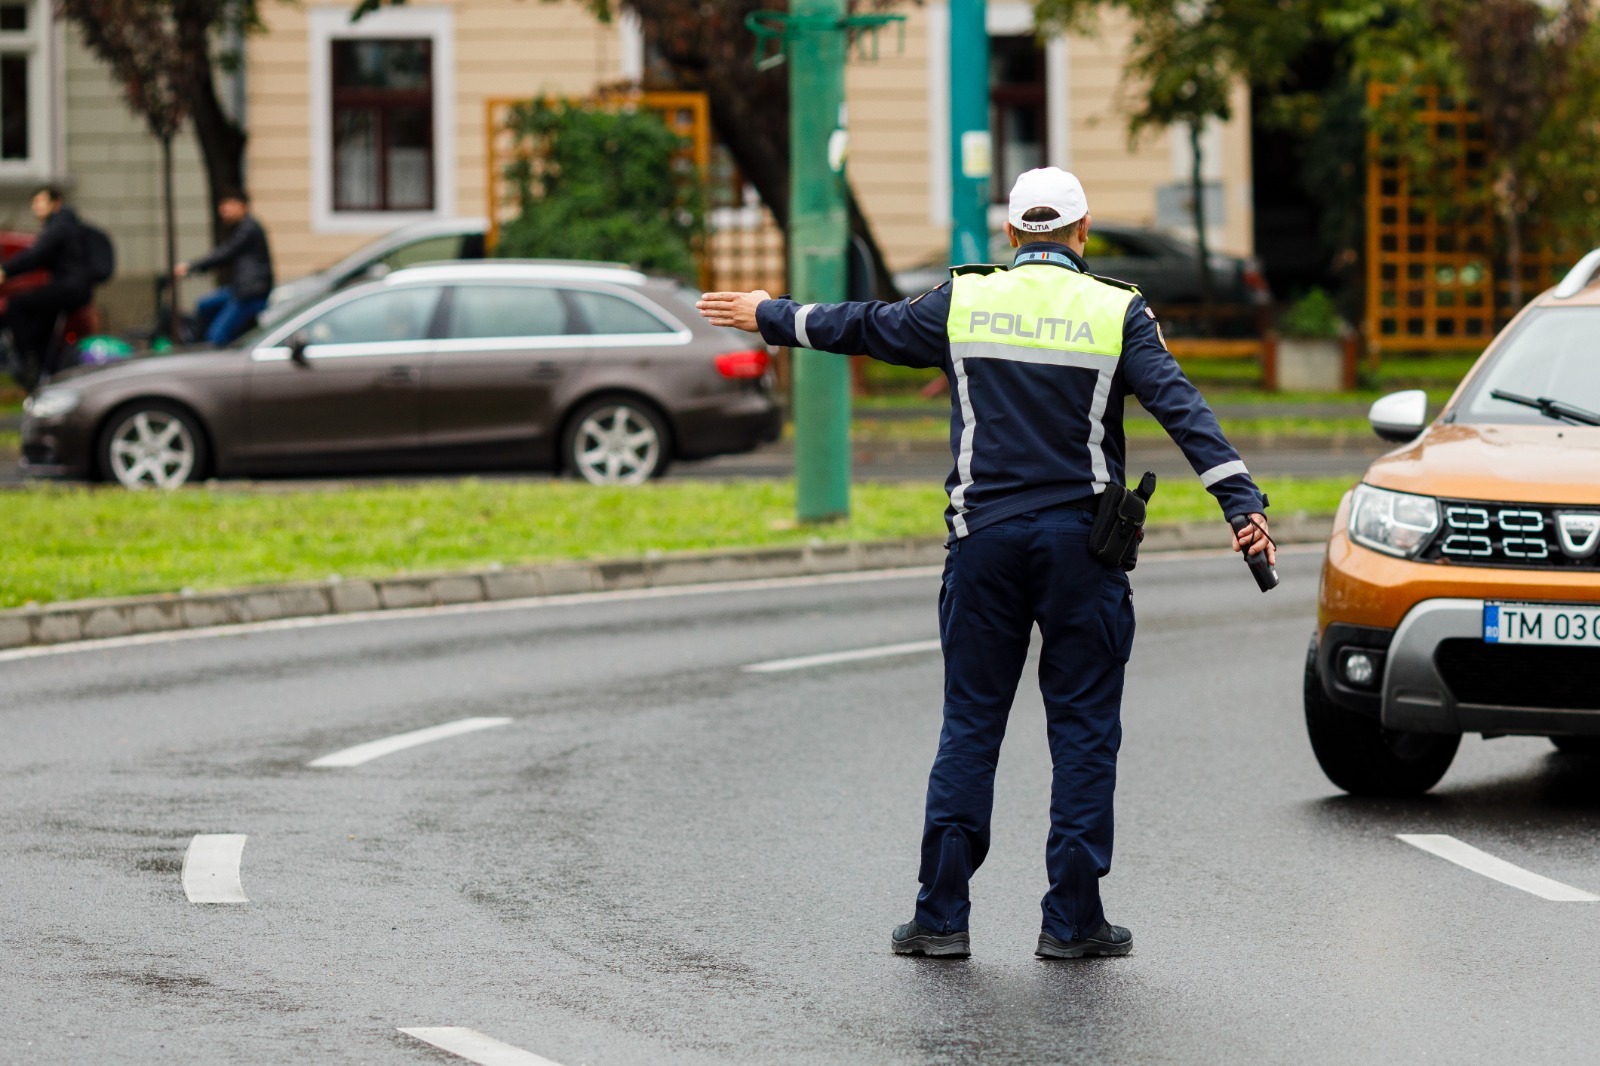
1461 589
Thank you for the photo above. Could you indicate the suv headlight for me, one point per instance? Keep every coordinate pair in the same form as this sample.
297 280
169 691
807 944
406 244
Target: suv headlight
1395 523
51 403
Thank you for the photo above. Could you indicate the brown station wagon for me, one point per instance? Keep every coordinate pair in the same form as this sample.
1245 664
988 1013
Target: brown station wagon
592 369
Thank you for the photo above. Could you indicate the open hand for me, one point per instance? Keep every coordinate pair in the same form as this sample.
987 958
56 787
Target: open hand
736 309
1252 539
181 270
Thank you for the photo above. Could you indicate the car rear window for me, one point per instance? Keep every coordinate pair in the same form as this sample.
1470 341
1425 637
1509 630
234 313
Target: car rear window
1554 353
478 312
613 314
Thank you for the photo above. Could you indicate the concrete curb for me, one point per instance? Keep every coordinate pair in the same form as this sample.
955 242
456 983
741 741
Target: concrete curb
62 623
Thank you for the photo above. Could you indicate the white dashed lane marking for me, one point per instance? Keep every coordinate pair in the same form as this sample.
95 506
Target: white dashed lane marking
474 1046
389 745
856 655
211 869
1481 862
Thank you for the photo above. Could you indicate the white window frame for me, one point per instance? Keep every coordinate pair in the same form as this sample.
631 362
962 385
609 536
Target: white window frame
329 24
40 43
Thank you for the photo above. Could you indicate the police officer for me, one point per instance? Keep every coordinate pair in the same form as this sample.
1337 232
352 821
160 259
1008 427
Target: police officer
1040 357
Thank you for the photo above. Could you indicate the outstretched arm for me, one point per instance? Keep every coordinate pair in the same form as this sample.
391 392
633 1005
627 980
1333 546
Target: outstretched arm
1161 386
909 332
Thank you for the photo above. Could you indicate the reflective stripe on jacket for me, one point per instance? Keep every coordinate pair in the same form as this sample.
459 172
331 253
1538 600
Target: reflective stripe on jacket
1037 386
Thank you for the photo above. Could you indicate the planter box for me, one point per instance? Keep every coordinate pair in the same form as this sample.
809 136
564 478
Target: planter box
1311 365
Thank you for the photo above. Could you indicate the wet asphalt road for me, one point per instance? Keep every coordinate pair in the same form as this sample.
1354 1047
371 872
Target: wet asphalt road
663 858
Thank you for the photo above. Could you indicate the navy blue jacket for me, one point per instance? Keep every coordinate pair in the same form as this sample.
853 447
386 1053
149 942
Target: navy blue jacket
1028 435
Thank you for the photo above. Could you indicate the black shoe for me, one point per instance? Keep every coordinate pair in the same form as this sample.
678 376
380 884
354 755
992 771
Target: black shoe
1107 940
913 939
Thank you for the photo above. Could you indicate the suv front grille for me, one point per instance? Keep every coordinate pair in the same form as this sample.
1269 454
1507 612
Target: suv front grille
1531 535
1520 675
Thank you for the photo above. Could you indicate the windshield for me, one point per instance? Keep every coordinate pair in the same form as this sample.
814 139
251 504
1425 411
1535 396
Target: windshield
1554 354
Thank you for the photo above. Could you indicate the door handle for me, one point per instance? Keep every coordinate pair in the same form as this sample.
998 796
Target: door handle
401 375
545 370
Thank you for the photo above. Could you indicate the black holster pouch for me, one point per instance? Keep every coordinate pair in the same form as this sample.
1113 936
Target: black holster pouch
1119 523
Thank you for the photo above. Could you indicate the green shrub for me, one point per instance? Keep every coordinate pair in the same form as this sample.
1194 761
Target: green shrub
1314 316
600 184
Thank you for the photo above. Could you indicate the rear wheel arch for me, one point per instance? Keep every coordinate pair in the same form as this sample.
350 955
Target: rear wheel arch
614 393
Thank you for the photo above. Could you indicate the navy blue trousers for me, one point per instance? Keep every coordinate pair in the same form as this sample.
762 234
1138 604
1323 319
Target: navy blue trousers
999 582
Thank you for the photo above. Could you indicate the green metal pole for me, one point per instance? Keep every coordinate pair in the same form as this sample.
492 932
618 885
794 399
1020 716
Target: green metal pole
819 231
970 151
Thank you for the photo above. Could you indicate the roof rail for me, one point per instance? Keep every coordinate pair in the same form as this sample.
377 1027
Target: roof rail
1579 277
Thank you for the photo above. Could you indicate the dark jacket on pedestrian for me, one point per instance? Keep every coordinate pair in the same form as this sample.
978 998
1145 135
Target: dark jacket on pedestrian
247 252
59 249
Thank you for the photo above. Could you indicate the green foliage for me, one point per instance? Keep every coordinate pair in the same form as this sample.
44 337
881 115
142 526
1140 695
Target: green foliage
602 184
70 543
1314 316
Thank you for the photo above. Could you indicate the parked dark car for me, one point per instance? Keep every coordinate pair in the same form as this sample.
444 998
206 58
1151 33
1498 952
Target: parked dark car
1165 268
421 242
594 369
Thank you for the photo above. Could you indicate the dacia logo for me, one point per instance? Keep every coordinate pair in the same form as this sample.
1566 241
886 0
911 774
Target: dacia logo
1008 325
1580 534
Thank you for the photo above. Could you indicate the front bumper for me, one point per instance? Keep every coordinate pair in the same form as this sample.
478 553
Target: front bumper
53 448
1440 677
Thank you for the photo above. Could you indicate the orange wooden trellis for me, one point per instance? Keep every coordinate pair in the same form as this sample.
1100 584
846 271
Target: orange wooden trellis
743 247
1436 284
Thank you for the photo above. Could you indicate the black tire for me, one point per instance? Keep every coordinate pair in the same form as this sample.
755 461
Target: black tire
643 451
182 459
1589 746
1362 757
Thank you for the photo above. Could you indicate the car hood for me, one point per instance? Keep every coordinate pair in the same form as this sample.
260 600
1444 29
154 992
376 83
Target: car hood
150 364
1511 462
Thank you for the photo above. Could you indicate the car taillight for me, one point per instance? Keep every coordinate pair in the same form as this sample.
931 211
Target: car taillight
752 363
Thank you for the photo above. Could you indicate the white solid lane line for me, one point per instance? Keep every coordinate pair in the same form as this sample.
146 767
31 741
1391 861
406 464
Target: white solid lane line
1463 854
211 869
854 656
389 745
473 1046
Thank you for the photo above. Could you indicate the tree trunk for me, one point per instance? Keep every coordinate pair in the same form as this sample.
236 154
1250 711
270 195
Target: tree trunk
1197 189
170 314
1510 208
220 139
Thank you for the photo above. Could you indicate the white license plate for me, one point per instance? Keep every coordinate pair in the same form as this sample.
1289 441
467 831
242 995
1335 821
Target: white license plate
1541 623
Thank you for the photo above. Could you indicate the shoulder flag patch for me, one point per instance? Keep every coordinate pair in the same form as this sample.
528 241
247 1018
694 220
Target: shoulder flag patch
1151 314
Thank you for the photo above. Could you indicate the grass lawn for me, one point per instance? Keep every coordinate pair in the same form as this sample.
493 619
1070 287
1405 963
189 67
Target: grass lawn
72 543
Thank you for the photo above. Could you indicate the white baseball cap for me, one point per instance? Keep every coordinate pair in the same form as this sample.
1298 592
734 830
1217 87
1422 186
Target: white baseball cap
1049 187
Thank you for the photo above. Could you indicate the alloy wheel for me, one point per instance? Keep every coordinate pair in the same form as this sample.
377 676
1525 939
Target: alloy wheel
617 445
152 449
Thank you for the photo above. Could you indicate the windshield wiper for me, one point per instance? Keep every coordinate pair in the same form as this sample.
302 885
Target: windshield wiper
1561 412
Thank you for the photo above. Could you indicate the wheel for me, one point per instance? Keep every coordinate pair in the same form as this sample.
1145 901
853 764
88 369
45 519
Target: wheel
616 441
152 444
1577 745
1362 757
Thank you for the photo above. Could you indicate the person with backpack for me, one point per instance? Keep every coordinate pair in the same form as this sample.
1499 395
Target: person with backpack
63 249
229 311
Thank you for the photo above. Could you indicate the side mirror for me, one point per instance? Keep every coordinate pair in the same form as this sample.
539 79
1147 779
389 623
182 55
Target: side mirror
1400 416
376 272
298 343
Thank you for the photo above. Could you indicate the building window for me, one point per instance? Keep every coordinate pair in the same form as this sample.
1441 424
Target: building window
382 125
24 29
1017 118
383 149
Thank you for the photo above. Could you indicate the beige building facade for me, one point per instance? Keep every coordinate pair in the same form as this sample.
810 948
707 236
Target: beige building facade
358 128
62 119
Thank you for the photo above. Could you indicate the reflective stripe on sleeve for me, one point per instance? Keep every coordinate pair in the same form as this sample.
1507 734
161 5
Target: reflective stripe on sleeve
969 426
1226 470
1097 431
800 325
